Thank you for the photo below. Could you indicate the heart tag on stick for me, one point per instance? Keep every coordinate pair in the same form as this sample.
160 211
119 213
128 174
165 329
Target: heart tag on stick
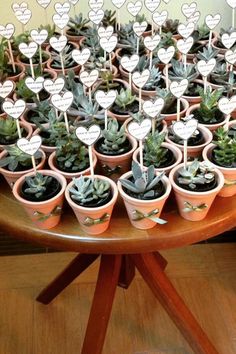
35 85
105 100
152 42
140 79
96 16
230 56
54 87
58 43
108 44
159 18
88 136
23 16
227 106
184 130
31 146
165 55
16 7
81 56
61 21
152 5
6 88
118 3
195 17
184 45
105 32
28 50
14 109
178 88
189 9
231 3
134 8
228 40
44 3
140 130
186 30
62 102
153 109
212 21
62 9
7 31
88 79
206 67
95 5
130 63
139 28
39 37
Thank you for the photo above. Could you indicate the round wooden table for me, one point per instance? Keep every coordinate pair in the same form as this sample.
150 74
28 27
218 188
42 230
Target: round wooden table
122 248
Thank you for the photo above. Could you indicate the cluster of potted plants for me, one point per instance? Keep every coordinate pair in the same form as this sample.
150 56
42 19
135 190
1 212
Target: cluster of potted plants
141 171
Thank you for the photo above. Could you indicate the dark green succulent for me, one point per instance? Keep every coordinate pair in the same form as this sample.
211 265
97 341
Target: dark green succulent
114 138
8 129
78 25
171 26
208 112
154 153
225 151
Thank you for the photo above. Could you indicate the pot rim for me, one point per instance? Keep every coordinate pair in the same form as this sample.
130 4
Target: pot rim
207 150
133 142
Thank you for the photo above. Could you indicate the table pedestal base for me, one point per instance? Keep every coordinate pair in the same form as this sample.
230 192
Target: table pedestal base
118 270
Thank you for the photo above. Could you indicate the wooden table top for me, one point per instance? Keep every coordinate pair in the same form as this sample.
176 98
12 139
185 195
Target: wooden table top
121 237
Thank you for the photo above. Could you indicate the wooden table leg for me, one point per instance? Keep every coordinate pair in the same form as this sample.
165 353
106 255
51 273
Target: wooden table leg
102 304
152 272
74 268
127 272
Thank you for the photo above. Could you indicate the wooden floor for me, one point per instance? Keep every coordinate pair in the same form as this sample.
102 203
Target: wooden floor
205 276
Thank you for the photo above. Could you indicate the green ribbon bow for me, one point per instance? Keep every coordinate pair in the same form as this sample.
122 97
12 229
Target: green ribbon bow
39 216
189 207
138 215
229 183
108 171
88 221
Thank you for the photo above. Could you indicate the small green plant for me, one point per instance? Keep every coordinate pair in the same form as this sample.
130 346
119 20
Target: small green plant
78 25
37 185
108 82
154 153
22 91
207 53
170 26
17 159
129 43
114 138
209 113
68 60
5 68
201 33
40 113
225 151
124 99
220 75
170 100
178 72
109 18
8 129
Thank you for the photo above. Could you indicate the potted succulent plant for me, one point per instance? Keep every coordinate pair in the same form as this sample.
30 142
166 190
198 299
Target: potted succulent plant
77 28
144 194
69 64
9 132
171 26
195 188
201 34
37 115
92 200
107 82
42 196
6 69
125 103
23 92
217 41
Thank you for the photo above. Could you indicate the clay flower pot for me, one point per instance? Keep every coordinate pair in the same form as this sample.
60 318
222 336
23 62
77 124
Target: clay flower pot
176 152
18 76
140 211
52 164
114 166
146 94
46 214
26 127
173 116
120 117
26 64
93 221
47 149
194 206
192 100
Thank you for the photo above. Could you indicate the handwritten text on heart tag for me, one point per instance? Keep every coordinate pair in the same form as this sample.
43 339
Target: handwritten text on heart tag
184 130
54 87
14 109
226 105
160 18
165 55
62 9
23 16
228 40
106 100
44 3
35 85
81 56
152 42
16 7
212 21
152 109
96 16
6 88
130 63
58 43
7 31
28 50
189 9
88 136
178 88
152 5
105 32
184 45
118 3
108 44
206 67
62 102
230 56
140 79
39 37
140 130
139 28
61 20
195 17
30 146
186 30
95 5
88 79
134 8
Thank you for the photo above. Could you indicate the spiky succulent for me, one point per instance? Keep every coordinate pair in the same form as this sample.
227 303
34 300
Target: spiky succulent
170 26
225 151
154 153
178 71
220 75
207 53
201 33
114 138
209 113
78 25
68 60
109 18
8 129
16 159
169 99
124 99
37 185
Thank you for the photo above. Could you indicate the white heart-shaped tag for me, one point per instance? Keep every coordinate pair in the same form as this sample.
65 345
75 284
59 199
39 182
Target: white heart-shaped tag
31 146
105 32
139 28
134 8
62 8
6 88
139 130
228 40
118 3
184 45
152 5
61 20
58 43
23 16
54 87
14 109
184 130
7 31
28 50
160 18
165 55
73 2
189 9
44 3
153 109
130 63
95 5
186 30
96 16
231 3
81 56
140 79
35 85
62 102
226 105
39 37
195 17
88 136
230 56
212 21
105 100
152 42
16 7
108 44
88 79
206 67
178 88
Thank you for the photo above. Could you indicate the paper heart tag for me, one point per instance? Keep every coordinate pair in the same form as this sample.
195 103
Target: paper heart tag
106 100
228 40
35 85
108 44
231 3
206 67
62 8
39 37
73 2
140 79
165 55
139 28
130 63
23 16
88 79
186 30
212 21
88 136
105 32
184 45
160 18
16 7
189 9
96 16
152 109
230 56
28 50
152 42
81 56
62 102
14 109
31 146
95 5
54 87
134 8
58 43
184 130
178 88
139 130
61 20
227 106
44 3
195 17
6 88
118 3
152 5
7 31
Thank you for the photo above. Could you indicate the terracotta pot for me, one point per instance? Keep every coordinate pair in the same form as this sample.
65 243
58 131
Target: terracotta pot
98 83
193 100
194 206
27 65
221 50
144 207
58 71
73 37
115 166
120 117
145 93
47 214
176 152
229 188
195 151
27 128
11 177
52 164
94 221
172 117
19 76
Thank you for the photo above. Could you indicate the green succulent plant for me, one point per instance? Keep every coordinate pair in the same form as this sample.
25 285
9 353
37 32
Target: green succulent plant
170 100
108 82
154 153
171 26
207 53
178 71
114 138
68 60
209 113
23 92
78 25
109 18
17 159
220 75
37 185
8 129
225 151
124 99
40 113
5 67
129 44
201 33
